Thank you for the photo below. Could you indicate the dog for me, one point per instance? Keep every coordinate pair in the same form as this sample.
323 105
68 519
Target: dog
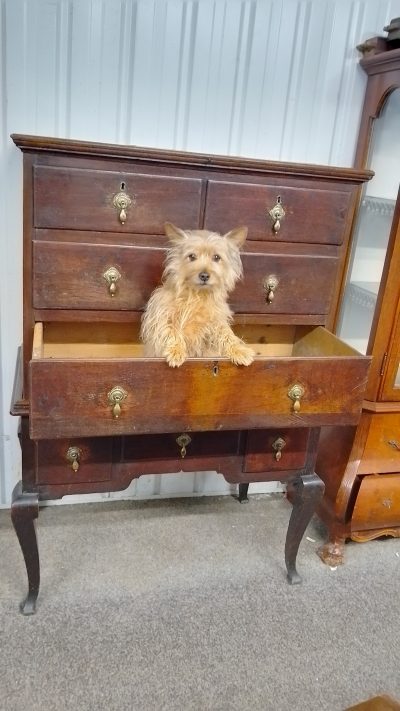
188 315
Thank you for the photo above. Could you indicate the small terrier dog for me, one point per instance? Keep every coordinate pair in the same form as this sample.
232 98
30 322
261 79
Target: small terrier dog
188 316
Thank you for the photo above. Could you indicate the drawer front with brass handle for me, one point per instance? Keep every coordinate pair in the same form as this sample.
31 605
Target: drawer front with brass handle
382 448
68 275
285 284
74 461
181 446
73 396
71 275
79 199
311 212
378 502
276 450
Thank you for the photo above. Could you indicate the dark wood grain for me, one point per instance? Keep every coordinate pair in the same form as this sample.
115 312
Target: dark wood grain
312 214
24 511
89 340
261 456
144 447
69 397
83 199
70 276
305 284
94 463
60 146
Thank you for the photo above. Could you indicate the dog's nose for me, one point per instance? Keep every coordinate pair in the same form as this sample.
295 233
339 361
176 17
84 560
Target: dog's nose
204 277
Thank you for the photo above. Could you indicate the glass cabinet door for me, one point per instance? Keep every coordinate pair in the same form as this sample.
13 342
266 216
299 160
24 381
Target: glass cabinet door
372 230
391 382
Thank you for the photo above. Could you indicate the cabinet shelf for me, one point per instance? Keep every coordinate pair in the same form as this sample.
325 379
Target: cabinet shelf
378 205
363 293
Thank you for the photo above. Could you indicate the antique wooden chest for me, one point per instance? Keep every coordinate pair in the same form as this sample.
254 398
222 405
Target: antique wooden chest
95 412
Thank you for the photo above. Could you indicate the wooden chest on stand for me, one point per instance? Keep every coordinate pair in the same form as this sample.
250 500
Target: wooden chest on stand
95 412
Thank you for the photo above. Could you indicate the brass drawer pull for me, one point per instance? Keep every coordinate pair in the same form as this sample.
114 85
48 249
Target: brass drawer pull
394 444
182 441
115 397
111 276
277 213
270 285
73 456
295 393
121 202
277 446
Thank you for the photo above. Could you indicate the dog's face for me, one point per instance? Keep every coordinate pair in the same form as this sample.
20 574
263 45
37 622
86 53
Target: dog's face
204 261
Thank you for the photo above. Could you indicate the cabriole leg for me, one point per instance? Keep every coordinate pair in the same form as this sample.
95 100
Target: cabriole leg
24 509
304 492
243 489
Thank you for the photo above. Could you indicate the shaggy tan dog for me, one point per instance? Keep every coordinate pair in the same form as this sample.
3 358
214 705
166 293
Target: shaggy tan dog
188 316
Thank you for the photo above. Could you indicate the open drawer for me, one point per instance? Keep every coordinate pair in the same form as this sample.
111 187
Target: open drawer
93 379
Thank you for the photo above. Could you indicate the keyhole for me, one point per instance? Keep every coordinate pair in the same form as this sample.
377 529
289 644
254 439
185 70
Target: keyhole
122 186
215 369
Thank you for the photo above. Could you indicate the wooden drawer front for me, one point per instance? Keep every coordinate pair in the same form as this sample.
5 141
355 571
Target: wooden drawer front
382 449
378 503
72 276
181 445
264 447
74 460
304 284
74 198
71 397
311 214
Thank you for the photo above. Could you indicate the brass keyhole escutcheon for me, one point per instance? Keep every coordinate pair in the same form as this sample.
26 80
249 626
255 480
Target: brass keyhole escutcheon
277 213
121 202
277 446
295 393
115 397
183 441
111 276
73 457
270 285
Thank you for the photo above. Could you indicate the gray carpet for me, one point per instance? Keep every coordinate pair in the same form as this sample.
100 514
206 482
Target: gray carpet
183 604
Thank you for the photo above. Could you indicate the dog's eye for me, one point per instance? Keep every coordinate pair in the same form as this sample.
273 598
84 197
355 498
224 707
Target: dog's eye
192 257
216 258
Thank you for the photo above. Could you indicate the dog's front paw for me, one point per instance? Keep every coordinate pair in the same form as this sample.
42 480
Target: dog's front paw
175 355
241 354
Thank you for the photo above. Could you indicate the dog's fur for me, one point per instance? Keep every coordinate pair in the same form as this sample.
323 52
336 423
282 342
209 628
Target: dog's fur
188 316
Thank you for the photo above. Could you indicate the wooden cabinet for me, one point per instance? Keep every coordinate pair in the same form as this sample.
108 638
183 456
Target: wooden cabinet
362 474
95 412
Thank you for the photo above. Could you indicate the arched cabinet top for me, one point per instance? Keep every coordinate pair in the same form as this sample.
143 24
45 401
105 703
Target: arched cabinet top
383 70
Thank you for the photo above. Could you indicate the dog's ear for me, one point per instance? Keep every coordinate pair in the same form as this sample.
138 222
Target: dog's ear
237 236
174 234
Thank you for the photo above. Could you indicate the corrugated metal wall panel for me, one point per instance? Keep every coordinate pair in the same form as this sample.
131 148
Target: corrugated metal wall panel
276 79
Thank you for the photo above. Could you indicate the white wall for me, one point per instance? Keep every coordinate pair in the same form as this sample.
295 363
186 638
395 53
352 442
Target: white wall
276 79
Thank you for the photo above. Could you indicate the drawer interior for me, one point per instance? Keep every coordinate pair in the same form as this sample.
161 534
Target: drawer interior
121 340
